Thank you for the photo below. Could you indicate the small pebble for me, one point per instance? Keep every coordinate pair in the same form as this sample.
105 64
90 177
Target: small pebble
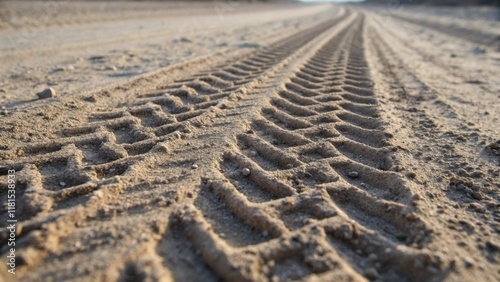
62 183
63 68
195 166
47 93
353 174
469 262
245 171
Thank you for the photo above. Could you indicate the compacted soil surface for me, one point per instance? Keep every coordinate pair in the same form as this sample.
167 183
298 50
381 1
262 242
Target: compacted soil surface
249 142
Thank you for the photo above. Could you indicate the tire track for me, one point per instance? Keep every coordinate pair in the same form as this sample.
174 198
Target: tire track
90 176
307 166
455 107
106 146
432 121
272 166
471 35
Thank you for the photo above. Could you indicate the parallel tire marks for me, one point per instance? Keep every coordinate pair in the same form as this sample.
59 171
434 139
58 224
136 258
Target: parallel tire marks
302 189
83 177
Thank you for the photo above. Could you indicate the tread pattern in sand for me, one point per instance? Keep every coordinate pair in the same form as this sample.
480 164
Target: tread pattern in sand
111 142
471 35
276 163
307 184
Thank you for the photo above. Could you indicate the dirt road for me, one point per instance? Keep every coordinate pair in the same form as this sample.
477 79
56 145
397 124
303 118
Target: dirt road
283 142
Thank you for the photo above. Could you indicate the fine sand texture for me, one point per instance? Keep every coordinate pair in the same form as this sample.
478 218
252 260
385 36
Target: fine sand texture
228 141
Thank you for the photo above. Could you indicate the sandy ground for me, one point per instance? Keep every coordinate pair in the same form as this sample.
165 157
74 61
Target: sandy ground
250 142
